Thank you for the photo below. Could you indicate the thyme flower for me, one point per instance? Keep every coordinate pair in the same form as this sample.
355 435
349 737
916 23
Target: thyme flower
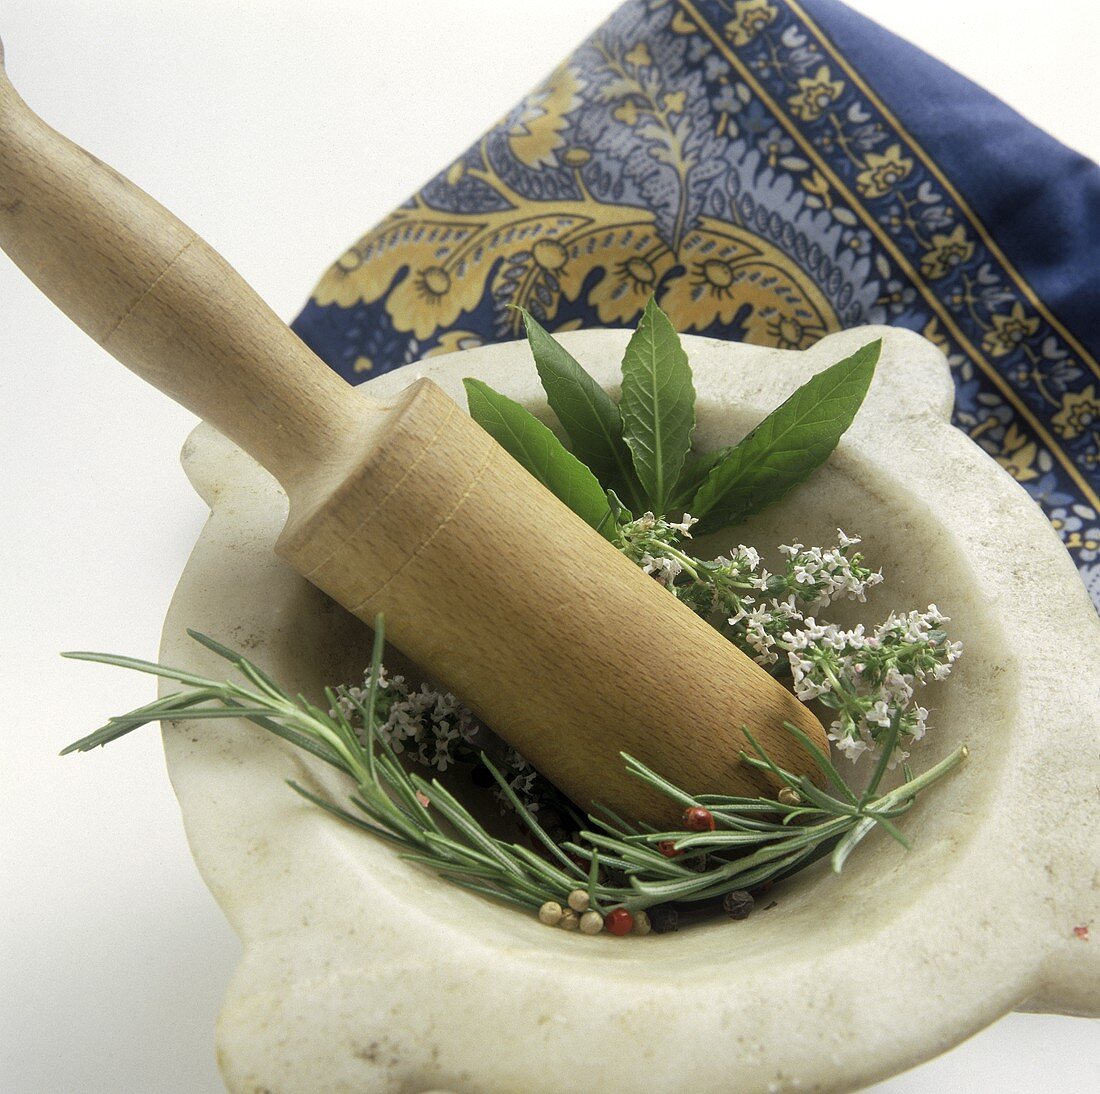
436 730
868 680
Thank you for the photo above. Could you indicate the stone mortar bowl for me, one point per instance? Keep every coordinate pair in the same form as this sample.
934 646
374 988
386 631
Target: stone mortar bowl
365 973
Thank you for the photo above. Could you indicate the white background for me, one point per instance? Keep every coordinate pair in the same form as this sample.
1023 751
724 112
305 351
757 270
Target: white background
280 130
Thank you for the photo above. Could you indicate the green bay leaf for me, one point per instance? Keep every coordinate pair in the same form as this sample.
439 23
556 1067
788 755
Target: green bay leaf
696 469
525 438
788 445
587 413
657 406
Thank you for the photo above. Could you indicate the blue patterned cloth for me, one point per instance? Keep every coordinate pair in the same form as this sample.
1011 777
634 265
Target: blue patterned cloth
774 171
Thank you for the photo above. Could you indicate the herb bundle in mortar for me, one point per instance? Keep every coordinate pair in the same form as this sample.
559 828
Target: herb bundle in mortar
600 871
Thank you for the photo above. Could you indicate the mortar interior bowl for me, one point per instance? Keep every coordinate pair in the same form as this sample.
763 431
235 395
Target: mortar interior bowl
362 972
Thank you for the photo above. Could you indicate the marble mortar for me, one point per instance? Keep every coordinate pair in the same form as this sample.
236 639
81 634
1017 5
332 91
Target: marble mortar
364 973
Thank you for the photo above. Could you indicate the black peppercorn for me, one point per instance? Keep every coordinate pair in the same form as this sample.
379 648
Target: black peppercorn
738 904
664 918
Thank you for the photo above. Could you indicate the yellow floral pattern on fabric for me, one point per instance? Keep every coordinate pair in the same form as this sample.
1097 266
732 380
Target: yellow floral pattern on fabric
882 173
612 256
1018 454
728 270
536 135
1080 412
1008 332
945 252
749 18
815 95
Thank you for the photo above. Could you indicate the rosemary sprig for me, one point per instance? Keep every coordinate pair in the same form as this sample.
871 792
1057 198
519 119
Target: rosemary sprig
617 864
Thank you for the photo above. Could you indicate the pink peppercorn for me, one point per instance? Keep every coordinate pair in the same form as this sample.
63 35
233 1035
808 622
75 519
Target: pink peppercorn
619 921
698 819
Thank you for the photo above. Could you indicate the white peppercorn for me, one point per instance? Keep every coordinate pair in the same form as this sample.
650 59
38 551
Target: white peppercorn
591 923
550 913
578 900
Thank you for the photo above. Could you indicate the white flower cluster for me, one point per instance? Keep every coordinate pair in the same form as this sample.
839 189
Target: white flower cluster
870 680
814 578
817 577
430 726
436 730
650 542
524 780
758 626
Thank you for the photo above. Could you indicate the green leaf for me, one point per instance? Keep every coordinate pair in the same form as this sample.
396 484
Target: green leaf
519 432
657 406
788 445
696 469
586 412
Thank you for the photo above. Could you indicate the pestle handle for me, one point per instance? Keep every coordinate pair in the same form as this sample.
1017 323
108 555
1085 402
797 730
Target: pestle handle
156 296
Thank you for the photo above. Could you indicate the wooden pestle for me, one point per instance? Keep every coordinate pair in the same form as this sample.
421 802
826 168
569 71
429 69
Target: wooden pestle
406 507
